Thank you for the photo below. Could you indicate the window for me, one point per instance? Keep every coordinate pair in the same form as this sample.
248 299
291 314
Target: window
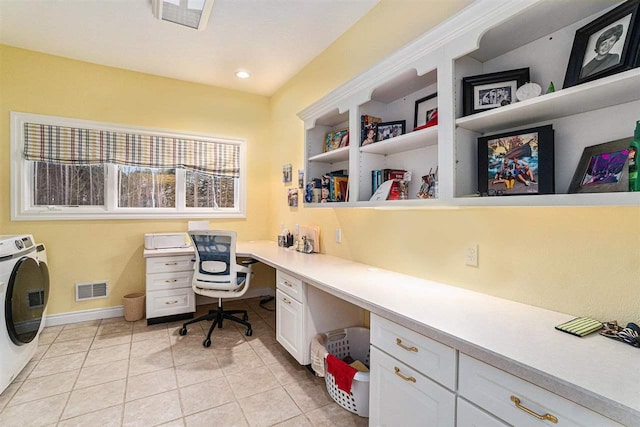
75 169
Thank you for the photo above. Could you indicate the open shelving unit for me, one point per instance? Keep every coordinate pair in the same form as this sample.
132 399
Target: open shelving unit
530 33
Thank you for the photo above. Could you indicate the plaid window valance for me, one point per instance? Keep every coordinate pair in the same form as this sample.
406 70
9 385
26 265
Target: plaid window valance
72 145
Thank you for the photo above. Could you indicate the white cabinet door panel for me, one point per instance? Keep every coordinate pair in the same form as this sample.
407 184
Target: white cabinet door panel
413 400
289 324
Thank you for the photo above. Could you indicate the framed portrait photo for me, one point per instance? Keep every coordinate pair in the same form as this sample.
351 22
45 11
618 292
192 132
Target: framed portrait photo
603 168
606 46
388 130
517 163
487 91
425 110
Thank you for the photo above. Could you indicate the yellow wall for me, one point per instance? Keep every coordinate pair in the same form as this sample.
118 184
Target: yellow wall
83 251
584 261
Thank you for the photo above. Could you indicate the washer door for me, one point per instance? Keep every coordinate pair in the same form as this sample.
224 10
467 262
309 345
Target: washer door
26 299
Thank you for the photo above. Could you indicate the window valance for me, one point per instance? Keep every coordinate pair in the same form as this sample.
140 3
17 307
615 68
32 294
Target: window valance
70 145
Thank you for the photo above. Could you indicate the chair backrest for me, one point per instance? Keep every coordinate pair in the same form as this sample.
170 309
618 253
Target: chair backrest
215 267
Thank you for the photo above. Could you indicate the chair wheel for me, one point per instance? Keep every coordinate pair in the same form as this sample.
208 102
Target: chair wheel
206 343
249 332
245 317
183 331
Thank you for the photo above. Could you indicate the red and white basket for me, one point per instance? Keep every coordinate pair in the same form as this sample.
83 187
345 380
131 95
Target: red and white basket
352 342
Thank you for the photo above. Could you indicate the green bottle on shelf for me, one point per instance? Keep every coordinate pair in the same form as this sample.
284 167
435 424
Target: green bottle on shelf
634 151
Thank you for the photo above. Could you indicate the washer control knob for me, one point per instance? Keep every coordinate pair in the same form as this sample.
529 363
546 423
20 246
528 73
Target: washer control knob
19 244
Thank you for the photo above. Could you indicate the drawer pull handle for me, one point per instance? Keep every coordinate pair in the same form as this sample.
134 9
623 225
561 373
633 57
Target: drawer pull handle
287 283
286 300
171 302
413 380
547 417
170 263
171 281
399 342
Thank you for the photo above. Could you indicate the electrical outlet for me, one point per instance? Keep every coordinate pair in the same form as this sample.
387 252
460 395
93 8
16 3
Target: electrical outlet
296 229
471 255
338 235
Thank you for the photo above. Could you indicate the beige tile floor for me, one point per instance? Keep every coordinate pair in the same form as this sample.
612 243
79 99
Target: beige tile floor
112 372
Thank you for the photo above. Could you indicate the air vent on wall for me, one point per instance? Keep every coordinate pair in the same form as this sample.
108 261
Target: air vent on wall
85 291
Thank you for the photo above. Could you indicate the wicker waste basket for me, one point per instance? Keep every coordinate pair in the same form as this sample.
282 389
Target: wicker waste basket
133 307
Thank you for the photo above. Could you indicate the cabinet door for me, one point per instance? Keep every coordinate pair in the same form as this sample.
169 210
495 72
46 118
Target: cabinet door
400 396
471 416
289 324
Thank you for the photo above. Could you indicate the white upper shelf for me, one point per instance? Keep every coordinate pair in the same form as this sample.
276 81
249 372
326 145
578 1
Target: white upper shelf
333 156
613 90
408 141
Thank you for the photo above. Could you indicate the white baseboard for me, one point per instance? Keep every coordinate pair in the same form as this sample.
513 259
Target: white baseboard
83 316
118 311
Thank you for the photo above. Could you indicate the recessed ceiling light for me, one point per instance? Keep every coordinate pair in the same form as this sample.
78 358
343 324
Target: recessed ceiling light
242 74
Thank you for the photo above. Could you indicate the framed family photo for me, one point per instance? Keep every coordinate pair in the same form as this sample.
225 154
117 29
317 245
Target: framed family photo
517 163
389 130
606 46
487 91
603 168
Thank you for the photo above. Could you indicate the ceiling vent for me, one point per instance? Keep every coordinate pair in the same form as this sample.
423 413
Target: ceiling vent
86 291
190 13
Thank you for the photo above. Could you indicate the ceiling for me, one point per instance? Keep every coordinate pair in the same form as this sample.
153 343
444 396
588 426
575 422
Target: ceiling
272 39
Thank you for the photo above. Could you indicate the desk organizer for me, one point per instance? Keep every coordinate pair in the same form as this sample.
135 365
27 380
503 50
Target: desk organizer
352 342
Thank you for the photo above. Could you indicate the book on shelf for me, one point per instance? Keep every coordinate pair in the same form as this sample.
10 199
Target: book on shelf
335 186
379 176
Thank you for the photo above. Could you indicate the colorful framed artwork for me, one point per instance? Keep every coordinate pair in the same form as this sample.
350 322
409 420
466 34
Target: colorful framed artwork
517 163
603 168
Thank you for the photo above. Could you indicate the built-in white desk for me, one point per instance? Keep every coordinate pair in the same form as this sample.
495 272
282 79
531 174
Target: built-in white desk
593 371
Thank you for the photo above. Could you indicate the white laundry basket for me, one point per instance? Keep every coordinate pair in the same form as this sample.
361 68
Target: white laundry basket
352 342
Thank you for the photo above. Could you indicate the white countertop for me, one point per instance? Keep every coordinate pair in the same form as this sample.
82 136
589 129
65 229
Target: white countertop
593 371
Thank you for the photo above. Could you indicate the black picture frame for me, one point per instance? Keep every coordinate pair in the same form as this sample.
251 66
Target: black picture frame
488 91
519 162
388 130
603 168
621 24
422 108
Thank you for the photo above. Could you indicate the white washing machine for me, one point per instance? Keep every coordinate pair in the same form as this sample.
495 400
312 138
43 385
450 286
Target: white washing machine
24 289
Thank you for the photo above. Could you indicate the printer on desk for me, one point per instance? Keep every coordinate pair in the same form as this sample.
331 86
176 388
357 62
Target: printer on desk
166 241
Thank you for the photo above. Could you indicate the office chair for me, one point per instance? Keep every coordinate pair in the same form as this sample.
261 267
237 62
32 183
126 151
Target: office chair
217 275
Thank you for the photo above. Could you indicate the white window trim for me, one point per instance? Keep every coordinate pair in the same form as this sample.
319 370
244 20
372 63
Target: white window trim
21 182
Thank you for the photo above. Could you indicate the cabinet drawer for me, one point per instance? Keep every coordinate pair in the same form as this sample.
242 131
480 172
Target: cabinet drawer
166 264
290 285
400 396
496 391
431 358
175 280
470 415
165 303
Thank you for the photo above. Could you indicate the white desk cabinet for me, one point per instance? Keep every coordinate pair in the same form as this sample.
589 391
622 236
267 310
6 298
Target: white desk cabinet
168 286
519 402
302 311
409 373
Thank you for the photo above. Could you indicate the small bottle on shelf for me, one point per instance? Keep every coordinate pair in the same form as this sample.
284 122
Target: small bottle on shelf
634 148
